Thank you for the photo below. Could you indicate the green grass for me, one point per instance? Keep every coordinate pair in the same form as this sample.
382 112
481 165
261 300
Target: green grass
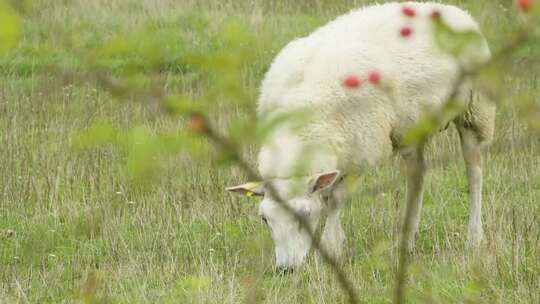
182 239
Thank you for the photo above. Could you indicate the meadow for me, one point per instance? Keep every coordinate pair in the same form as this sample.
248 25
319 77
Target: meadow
76 225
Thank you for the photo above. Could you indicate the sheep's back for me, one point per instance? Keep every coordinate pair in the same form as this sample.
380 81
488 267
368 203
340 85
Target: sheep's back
311 70
358 122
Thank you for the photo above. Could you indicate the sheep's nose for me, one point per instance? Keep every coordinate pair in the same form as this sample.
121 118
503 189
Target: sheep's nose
284 270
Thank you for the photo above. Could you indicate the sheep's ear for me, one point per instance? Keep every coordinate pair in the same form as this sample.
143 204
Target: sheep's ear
248 189
323 181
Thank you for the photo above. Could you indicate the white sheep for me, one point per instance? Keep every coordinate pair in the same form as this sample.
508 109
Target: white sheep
366 78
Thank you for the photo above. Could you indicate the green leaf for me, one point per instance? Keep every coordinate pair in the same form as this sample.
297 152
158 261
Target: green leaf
142 147
294 119
452 41
432 122
97 134
9 27
183 104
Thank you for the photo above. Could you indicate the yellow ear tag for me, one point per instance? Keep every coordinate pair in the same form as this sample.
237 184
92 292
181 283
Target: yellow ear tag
251 186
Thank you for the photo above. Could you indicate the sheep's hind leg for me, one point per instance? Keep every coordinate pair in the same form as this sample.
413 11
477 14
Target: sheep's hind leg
471 149
415 167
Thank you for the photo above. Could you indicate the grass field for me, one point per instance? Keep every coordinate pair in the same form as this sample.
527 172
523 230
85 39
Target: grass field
73 226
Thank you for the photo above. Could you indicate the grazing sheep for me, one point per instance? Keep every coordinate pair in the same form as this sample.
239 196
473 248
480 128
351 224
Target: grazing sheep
366 78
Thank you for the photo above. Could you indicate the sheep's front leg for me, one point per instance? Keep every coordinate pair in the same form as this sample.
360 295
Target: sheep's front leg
470 146
415 167
333 237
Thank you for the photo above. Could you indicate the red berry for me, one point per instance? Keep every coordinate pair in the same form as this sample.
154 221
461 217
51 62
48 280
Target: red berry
408 11
524 5
351 82
374 77
405 31
435 15
197 124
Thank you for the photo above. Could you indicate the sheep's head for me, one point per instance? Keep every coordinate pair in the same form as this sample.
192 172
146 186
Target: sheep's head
303 195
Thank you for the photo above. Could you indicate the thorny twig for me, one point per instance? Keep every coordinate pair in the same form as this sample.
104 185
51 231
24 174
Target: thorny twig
224 144
403 261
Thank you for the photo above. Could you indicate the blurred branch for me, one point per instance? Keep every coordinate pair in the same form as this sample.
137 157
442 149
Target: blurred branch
518 39
224 144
